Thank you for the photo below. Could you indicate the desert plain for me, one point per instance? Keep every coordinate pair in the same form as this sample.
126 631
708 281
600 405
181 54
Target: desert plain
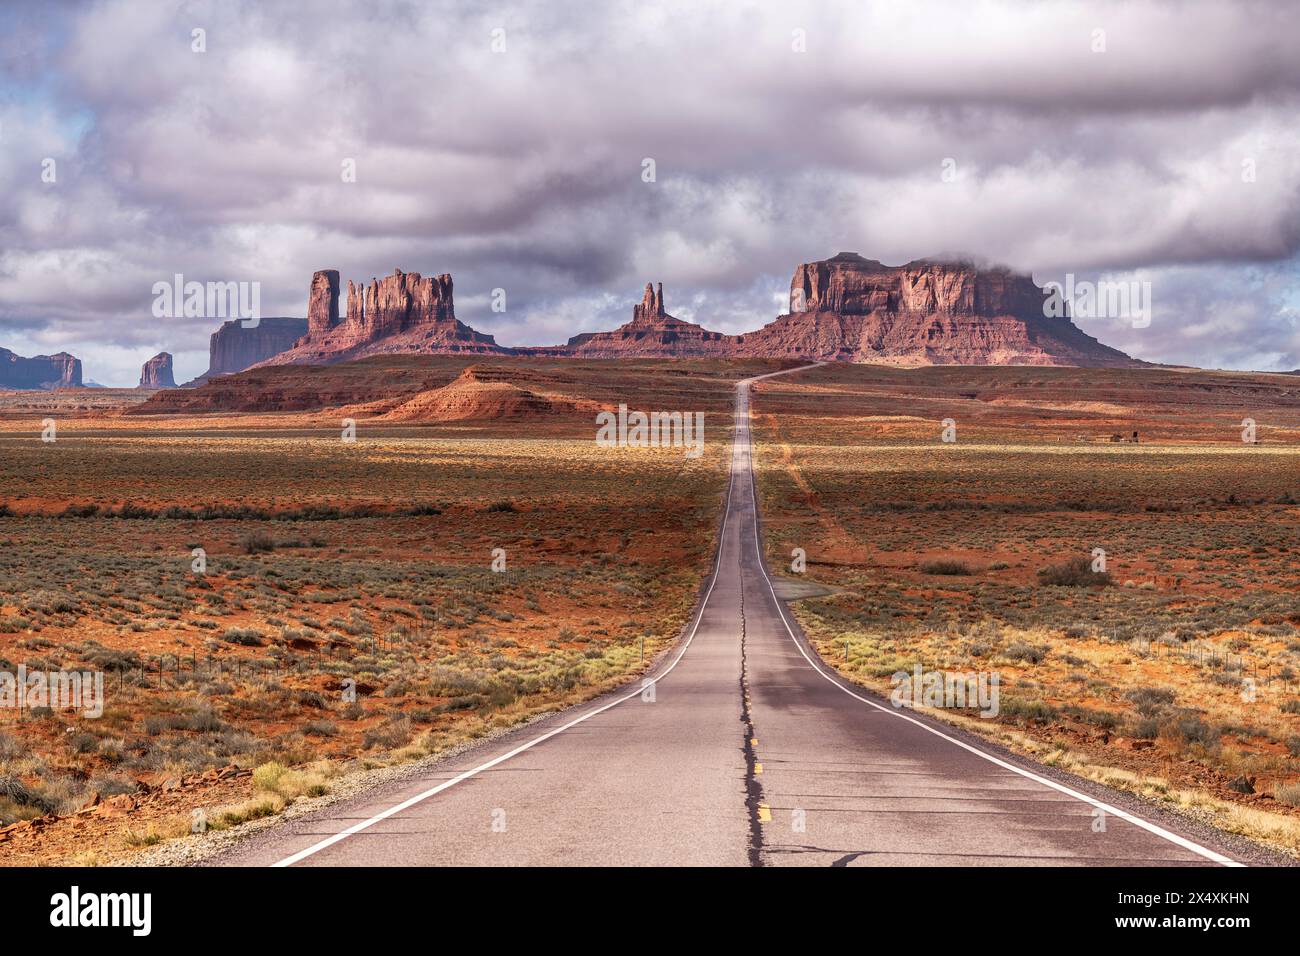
473 559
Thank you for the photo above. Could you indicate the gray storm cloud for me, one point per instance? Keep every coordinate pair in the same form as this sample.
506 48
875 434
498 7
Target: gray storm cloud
1102 138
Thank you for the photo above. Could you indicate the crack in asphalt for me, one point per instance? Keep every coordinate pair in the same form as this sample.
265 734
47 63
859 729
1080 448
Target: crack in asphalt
753 789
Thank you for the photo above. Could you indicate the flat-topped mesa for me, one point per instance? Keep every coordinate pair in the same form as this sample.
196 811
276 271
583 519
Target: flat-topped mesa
60 370
651 308
925 312
850 284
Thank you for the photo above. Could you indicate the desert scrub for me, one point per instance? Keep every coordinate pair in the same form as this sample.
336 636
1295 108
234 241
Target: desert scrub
391 734
20 802
289 784
246 636
1029 653
945 567
1074 573
474 651
254 809
1021 709
1149 701
1192 730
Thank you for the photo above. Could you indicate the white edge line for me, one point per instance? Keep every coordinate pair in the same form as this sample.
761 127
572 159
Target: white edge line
446 784
1104 807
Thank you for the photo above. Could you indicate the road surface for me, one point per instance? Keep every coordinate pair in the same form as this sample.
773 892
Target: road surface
742 750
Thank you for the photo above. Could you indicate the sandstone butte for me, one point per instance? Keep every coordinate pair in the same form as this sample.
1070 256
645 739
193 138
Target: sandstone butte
845 308
157 372
401 313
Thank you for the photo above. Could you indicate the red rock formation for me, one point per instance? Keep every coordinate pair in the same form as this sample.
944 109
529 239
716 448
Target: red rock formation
323 301
652 332
157 372
59 370
845 308
401 313
923 313
651 308
233 348
856 310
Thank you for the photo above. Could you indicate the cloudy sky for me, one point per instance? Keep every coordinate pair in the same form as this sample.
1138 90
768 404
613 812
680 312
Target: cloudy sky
506 144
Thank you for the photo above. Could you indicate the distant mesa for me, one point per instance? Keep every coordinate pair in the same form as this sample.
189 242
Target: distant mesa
59 370
927 312
157 372
233 348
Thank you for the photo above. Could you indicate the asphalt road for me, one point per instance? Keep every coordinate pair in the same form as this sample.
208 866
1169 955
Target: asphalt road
745 750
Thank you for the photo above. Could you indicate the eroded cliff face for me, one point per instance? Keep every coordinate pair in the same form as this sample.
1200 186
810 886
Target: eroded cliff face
233 348
157 372
323 301
923 313
401 313
852 285
59 370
